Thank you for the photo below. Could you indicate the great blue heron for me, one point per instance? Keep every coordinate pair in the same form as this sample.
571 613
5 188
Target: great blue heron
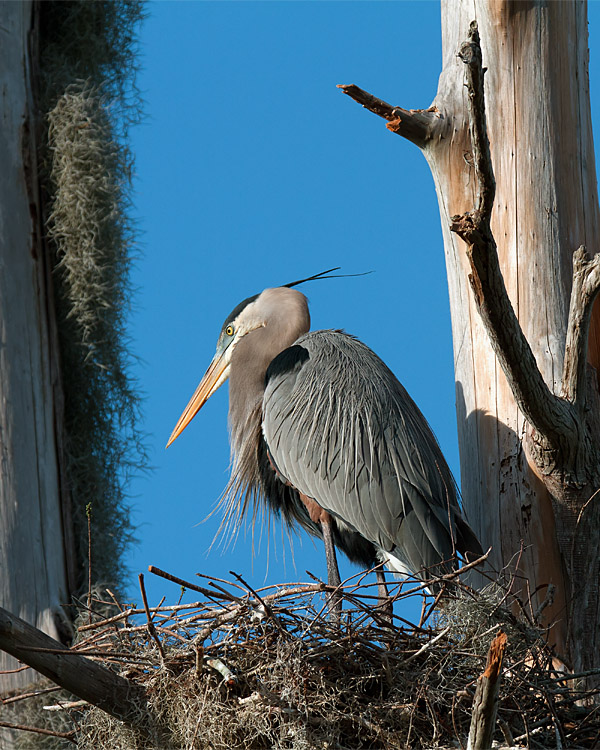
324 433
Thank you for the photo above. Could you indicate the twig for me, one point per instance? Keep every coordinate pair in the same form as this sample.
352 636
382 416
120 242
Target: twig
425 616
106 655
38 730
265 607
213 579
151 628
24 696
115 600
575 676
426 646
535 729
125 613
215 585
505 729
88 512
15 671
66 706
560 736
115 618
194 587
422 617
463 569
456 733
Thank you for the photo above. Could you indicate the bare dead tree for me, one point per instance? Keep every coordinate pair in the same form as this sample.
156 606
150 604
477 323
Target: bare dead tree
517 197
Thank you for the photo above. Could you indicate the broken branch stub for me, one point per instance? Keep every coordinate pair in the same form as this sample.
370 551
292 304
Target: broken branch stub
485 702
416 125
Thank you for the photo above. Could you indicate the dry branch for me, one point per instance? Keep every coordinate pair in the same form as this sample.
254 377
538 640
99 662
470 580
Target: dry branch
416 125
149 623
70 736
586 284
92 682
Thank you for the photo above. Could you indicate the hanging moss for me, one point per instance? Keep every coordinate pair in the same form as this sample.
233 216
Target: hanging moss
88 97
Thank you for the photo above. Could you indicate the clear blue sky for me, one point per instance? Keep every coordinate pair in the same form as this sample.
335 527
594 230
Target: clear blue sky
254 170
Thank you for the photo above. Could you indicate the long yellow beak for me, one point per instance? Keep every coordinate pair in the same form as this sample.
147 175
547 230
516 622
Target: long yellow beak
208 385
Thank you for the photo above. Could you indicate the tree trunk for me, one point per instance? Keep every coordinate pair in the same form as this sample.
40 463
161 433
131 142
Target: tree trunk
539 127
33 575
528 403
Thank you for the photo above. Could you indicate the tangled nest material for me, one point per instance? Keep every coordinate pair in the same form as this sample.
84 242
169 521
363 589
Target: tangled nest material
241 668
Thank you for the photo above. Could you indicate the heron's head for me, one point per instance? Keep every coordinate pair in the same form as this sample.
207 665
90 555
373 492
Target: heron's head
276 310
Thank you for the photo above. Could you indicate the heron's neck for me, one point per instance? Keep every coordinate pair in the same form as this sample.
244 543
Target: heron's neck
249 362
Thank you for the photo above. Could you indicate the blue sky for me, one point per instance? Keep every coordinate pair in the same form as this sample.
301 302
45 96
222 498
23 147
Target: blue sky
253 170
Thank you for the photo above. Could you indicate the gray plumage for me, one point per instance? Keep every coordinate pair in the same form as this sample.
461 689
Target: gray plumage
343 430
319 415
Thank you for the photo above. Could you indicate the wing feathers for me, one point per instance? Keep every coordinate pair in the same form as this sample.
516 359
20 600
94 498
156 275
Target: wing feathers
346 433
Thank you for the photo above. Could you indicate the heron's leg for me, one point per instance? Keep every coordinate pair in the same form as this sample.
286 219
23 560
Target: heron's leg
333 572
385 605
320 515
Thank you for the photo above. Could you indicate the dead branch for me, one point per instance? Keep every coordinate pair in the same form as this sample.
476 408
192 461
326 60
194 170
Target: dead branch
150 625
86 679
470 54
186 584
416 125
426 646
553 418
39 730
485 703
586 284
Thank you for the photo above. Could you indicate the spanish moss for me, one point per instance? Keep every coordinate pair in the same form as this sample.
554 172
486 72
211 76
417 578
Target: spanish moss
88 94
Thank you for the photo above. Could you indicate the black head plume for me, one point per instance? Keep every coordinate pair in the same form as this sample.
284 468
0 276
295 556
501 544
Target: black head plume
325 275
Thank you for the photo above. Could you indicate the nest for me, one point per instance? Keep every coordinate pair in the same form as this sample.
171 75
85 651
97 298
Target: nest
272 668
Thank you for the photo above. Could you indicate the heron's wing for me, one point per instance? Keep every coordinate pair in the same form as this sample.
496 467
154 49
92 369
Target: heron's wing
343 430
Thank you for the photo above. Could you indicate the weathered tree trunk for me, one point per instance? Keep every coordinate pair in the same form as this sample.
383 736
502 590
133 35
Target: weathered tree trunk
33 577
527 402
546 206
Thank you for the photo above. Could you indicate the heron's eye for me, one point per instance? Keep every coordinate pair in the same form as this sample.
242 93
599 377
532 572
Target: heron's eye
229 330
